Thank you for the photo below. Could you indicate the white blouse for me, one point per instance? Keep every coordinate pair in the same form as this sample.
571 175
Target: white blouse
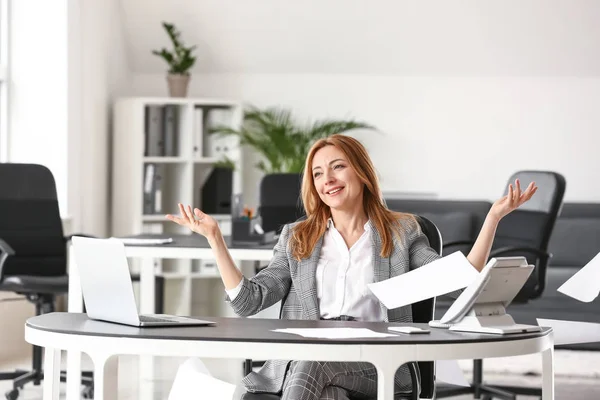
342 277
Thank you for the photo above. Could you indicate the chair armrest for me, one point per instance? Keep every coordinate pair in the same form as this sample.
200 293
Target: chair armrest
247 366
415 378
5 252
543 255
511 249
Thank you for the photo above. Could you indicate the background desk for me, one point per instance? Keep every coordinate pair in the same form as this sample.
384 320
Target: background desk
231 336
183 247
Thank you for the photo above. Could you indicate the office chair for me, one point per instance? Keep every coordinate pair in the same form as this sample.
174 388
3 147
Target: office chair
33 261
524 232
280 202
422 311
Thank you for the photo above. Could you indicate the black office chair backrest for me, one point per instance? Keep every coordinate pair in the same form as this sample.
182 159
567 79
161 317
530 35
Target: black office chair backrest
527 230
423 311
280 201
30 221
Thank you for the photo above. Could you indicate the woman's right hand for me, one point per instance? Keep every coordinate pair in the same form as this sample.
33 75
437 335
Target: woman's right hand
196 221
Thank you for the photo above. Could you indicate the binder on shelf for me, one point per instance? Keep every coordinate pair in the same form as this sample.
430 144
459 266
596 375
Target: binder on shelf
170 118
149 173
158 188
216 145
155 144
198 132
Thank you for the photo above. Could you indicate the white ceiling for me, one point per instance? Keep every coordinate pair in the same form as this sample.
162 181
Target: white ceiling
382 37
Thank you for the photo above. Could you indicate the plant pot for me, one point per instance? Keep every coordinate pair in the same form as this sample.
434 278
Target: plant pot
178 84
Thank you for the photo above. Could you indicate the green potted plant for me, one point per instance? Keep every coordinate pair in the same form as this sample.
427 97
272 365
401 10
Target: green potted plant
180 60
283 142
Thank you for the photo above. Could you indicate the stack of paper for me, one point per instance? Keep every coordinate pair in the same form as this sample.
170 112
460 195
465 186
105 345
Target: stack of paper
144 241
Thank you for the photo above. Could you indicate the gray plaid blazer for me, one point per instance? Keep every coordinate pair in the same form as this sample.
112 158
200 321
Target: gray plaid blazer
286 277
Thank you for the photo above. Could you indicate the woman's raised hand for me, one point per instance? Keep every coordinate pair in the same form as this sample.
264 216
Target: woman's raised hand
196 221
513 200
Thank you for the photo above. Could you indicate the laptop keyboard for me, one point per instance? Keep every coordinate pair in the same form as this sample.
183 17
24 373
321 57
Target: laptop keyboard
146 318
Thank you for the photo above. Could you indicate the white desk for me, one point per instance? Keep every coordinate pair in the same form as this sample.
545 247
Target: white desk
231 338
183 247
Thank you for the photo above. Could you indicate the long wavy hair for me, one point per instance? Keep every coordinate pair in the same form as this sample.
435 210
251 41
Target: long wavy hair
307 232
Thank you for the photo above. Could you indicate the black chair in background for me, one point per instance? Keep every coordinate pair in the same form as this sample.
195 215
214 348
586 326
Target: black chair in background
33 261
280 201
524 232
422 311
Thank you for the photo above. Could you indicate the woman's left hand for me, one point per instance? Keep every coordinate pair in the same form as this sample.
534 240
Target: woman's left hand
513 200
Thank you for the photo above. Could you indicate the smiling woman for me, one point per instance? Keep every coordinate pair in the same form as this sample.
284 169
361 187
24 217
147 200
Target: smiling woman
322 265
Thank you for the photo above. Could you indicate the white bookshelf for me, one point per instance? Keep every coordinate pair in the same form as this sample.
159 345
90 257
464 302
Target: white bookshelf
183 173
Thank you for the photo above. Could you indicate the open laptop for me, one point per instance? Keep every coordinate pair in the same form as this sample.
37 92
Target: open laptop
107 288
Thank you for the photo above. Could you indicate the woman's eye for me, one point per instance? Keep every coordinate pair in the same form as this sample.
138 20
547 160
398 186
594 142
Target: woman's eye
317 174
339 165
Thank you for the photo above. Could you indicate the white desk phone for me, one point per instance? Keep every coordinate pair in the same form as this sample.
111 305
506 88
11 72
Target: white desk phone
481 307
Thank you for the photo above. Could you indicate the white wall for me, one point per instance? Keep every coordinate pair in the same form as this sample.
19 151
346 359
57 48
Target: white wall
102 73
464 93
458 137
38 79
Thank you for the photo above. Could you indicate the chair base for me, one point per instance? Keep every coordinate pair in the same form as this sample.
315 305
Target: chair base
479 392
22 377
44 303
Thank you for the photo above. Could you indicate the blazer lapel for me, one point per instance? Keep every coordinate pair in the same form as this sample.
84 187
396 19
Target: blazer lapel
381 265
307 283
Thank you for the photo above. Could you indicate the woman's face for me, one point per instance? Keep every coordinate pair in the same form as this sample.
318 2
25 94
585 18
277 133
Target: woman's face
336 182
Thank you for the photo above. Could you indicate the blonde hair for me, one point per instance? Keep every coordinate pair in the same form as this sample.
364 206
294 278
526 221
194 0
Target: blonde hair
306 233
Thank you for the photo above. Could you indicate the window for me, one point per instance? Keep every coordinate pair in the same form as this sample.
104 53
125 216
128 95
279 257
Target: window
4 29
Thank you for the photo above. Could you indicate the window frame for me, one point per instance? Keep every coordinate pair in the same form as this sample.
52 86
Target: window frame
4 79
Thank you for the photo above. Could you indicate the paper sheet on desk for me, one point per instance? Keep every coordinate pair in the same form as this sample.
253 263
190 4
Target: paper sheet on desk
193 377
144 241
439 277
335 333
571 332
585 284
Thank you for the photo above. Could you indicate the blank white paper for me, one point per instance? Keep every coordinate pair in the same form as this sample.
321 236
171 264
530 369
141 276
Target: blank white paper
449 371
571 332
193 377
585 284
144 241
335 333
439 277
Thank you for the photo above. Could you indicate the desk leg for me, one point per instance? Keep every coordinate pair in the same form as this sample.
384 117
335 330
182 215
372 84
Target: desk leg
106 372
51 373
385 380
147 293
75 305
548 374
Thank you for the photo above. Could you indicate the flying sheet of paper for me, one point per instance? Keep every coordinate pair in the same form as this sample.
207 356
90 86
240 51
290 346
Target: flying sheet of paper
335 333
193 377
144 241
585 284
571 332
449 371
439 277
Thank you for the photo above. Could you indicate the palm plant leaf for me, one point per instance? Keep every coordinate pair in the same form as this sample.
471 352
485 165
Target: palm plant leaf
282 143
